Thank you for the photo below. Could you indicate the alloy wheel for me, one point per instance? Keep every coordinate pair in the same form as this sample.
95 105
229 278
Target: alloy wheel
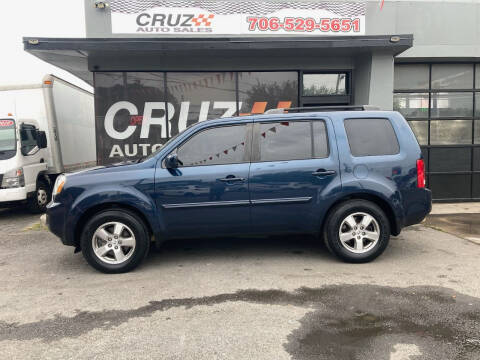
113 242
359 232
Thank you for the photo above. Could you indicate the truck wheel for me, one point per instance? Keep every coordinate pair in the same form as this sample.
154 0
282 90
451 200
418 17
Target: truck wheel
39 200
357 231
115 241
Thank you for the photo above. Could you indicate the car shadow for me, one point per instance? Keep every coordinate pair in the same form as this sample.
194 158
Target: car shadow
258 248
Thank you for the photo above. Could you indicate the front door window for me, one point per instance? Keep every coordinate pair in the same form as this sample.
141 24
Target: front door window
215 146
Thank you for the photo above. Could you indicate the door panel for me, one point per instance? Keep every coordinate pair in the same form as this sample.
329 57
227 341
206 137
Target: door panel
200 200
289 195
208 195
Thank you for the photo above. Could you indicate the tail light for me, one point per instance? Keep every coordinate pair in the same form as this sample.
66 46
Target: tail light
420 173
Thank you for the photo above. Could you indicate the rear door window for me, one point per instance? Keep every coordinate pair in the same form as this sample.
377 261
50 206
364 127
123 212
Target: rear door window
370 137
291 140
320 139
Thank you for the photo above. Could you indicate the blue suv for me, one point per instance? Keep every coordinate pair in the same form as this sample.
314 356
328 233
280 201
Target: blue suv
352 178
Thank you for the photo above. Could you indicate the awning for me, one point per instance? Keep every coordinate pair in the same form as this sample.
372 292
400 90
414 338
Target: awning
83 56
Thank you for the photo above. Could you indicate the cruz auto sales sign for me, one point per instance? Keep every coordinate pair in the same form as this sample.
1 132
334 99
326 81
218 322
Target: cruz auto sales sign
237 17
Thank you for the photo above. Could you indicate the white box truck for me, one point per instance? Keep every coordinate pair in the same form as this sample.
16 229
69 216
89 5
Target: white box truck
45 129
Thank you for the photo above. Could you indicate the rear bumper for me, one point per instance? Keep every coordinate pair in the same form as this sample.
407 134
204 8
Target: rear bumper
419 207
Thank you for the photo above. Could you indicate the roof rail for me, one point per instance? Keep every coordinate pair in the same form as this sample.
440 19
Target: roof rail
323 108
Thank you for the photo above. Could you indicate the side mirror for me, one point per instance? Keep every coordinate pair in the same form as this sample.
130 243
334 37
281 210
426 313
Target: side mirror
41 139
171 162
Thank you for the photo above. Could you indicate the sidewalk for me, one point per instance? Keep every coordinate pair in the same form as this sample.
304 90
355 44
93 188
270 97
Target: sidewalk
456 208
460 219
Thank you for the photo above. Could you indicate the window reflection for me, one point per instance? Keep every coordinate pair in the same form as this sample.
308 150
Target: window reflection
324 84
411 77
446 132
452 76
420 129
261 91
411 105
452 104
200 96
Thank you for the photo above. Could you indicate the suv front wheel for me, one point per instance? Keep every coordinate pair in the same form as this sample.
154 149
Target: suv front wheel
115 241
357 231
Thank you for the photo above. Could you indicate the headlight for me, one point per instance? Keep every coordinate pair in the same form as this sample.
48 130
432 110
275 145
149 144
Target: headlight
59 183
13 179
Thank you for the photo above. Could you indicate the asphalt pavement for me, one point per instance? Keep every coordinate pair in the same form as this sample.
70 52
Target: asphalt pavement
275 298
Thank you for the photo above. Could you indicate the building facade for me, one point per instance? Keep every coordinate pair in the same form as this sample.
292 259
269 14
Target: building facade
159 66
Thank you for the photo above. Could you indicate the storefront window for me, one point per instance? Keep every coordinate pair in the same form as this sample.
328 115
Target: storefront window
477 105
130 109
420 128
477 76
476 138
324 84
411 77
261 91
201 96
411 105
452 104
447 126
452 76
448 132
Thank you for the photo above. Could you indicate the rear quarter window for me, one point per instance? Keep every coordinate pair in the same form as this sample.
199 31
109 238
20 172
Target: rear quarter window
371 137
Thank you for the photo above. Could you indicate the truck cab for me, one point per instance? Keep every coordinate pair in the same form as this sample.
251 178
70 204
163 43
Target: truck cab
23 164
31 115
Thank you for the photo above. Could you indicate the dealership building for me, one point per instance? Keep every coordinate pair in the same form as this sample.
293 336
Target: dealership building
158 66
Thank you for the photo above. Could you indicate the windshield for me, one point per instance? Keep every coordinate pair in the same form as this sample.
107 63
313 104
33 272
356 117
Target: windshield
7 135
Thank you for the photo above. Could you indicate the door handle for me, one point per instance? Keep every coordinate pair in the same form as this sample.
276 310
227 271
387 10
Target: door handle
231 178
323 172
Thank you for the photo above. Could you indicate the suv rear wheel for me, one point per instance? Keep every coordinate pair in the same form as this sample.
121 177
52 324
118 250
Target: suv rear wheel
115 241
357 231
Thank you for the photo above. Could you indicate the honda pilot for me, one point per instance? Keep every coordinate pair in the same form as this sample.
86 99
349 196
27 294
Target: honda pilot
351 178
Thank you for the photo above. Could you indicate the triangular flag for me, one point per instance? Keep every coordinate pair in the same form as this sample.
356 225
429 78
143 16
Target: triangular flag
243 143
263 134
210 158
234 148
225 151
218 155
273 129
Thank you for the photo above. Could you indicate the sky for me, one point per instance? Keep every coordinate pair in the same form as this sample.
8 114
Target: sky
42 18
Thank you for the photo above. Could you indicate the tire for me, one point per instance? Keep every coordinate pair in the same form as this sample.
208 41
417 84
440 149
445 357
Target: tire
43 194
357 243
107 233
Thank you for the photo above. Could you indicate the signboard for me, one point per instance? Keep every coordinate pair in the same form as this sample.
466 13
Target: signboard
237 17
6 123
137 112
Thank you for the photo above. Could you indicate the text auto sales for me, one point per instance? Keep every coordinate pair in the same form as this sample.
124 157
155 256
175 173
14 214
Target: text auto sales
145 121
178 23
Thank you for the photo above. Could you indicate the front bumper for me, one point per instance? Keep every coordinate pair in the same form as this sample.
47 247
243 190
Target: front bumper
55 219
13 194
